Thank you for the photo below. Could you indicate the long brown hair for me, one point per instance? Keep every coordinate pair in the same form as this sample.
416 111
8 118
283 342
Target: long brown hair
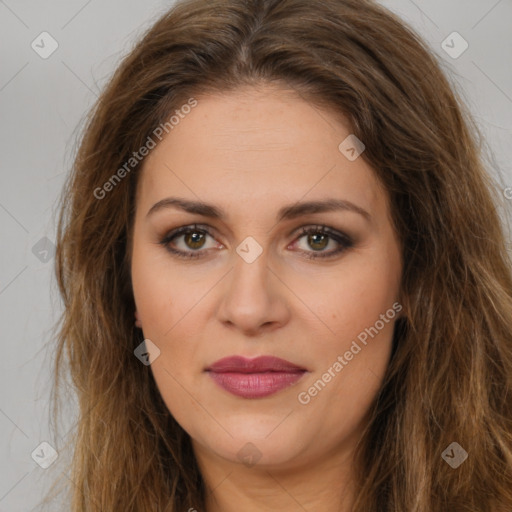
450 377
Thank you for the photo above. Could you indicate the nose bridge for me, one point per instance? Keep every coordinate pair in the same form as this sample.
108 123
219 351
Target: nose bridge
250 275
251 298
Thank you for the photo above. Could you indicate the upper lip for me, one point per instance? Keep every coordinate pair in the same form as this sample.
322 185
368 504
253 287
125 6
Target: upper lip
259 364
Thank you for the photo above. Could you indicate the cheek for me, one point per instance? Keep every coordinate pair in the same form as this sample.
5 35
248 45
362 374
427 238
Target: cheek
352 350
162 301
151 294
163 297
346 303
350 363
168 305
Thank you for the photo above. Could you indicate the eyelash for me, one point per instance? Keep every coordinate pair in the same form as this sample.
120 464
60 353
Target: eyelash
345 241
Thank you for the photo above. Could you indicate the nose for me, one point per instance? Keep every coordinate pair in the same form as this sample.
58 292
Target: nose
253 299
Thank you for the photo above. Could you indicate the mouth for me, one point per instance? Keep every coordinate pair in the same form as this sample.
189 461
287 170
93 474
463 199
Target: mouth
254 378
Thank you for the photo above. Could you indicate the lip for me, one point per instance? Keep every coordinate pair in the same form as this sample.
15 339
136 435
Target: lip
254 378
259 364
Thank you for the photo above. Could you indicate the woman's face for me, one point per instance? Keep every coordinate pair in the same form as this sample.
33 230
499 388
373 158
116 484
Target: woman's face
258 286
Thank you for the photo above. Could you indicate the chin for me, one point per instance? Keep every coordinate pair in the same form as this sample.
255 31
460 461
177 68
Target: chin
252 446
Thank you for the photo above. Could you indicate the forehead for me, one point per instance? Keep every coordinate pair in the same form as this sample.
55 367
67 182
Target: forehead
259 145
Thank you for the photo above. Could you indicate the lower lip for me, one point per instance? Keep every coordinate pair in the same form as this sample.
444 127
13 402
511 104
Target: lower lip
255 385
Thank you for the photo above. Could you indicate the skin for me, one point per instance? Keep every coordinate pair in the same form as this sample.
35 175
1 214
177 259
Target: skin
251 152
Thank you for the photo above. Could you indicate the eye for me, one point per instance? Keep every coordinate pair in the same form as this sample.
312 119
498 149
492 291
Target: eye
193 237
318 238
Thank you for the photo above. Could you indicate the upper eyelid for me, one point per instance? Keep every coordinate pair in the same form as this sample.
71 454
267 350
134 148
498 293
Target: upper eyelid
297 232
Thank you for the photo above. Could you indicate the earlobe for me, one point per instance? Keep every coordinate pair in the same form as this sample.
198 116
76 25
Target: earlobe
137 320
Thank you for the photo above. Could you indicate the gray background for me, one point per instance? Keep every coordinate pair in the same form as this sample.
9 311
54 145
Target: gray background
42 107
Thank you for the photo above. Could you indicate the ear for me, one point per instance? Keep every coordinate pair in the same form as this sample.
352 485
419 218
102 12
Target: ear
137 320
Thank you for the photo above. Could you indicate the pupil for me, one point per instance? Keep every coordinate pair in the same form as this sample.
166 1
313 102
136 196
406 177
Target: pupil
196 239
312 240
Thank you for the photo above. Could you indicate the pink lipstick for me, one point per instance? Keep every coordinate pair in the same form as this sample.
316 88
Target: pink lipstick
254 378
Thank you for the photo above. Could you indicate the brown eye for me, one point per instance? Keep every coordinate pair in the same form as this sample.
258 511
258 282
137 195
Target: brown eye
193 241
319 237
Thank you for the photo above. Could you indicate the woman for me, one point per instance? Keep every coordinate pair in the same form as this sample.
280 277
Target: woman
286 286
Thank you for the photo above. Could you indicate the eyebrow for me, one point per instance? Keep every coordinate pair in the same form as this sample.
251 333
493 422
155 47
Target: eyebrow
285 213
